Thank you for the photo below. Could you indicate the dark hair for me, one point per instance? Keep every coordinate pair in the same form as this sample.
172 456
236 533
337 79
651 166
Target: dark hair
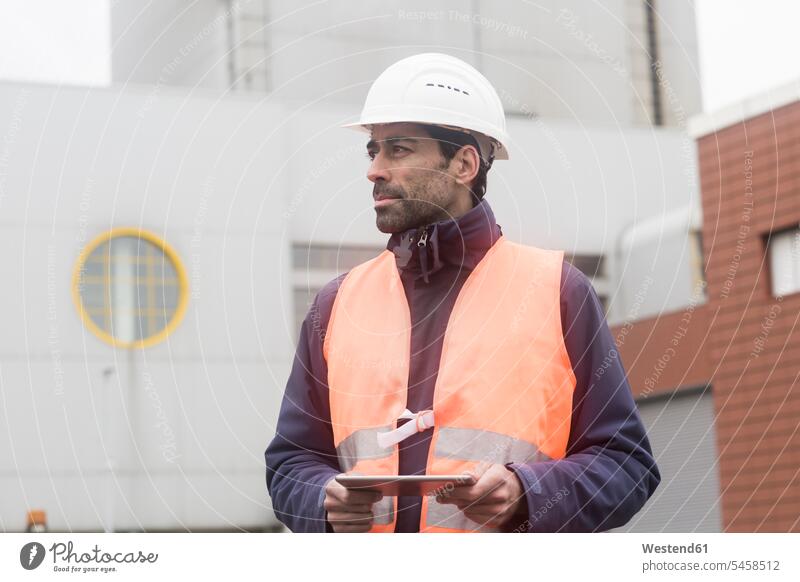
452 140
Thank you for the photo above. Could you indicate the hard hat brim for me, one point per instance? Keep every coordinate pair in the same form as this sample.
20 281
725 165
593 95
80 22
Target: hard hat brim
501 152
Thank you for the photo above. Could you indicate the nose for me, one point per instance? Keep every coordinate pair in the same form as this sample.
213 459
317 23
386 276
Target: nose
377 170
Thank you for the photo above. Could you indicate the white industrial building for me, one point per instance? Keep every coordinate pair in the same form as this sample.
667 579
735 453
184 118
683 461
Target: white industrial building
220 137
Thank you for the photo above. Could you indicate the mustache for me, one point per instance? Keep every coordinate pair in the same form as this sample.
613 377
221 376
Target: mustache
388 191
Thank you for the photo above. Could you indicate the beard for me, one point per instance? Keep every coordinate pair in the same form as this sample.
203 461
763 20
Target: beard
425 202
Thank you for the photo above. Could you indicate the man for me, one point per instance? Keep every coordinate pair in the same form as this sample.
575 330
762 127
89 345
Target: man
455 351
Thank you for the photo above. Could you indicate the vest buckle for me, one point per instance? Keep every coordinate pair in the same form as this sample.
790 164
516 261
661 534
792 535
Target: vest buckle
422 420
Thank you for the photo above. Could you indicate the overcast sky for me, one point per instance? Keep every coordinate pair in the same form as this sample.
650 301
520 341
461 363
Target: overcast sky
745 47
55 41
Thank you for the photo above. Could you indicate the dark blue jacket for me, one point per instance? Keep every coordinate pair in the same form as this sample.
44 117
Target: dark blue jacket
609 471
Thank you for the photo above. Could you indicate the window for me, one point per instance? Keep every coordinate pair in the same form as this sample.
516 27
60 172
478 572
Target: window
604 302
697 267
130 288
784 261
339 258
592 266
303 299
316 264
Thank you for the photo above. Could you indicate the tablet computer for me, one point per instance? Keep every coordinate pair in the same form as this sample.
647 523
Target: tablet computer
393 485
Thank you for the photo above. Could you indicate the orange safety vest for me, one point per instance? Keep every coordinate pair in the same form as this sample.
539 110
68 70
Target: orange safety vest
504 387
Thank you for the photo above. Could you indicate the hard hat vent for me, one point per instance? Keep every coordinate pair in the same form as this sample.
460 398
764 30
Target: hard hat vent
446 87
429 88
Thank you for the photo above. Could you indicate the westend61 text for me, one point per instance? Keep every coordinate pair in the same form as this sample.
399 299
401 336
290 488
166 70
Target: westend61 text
671 549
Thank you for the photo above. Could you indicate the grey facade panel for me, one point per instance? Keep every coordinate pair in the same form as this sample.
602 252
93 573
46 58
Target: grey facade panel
682 433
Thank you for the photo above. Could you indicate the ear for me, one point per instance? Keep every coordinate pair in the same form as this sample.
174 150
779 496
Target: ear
466 163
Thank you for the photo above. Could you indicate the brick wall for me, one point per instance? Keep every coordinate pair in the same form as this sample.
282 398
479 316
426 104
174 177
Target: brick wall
743 341
754 338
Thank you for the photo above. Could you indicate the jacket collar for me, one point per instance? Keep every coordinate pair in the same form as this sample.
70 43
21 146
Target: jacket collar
462 242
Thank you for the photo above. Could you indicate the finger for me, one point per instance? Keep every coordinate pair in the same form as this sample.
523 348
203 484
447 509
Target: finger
472 475
493 497
475 493
362 497
354 496
484 484
340 507
490 486
488 479
357 508
479 469
335 490
331 504
459 483
351 528
349 518
461 499
495 477
462 492
478 508
496 509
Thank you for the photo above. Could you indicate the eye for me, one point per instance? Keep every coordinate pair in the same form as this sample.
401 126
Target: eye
396 149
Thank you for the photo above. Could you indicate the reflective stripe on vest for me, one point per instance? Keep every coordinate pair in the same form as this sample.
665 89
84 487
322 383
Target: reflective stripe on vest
504 388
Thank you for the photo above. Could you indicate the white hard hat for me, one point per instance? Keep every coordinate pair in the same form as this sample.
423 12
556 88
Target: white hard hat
438 89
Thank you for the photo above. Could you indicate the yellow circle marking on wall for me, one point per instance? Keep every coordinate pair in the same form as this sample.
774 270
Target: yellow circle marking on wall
171 256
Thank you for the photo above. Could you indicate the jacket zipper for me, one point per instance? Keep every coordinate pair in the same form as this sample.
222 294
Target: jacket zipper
423 238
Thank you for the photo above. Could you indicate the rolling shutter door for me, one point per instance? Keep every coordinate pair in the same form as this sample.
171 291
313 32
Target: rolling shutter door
682 433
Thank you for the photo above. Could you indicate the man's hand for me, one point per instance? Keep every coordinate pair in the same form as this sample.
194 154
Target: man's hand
349 511
495 499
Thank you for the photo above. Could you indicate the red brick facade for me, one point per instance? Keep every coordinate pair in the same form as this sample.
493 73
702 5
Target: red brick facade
743 341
